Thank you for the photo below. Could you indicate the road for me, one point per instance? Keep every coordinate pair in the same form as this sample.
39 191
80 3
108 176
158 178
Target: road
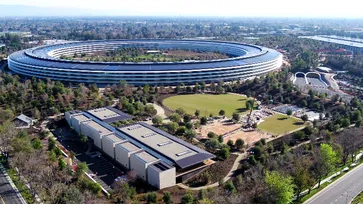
342 190
7 194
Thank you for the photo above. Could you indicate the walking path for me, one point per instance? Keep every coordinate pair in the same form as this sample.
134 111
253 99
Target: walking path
226 178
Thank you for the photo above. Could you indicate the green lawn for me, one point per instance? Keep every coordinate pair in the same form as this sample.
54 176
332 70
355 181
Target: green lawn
279 124
358 199
207 103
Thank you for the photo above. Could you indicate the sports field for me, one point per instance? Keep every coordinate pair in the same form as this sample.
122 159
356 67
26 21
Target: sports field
280 124
207 103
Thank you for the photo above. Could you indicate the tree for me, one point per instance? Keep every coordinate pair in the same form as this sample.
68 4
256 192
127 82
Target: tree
167 198
239 143
220 139
187 118
224 153
345 122
203 121
172 127
8 132
230 187
249 104
81 167
324 161
187 199
197 113
61 164
6 115
157 120
230 143
61 193
235 117
175 117
151 198
37 143
180 111
281 186
289 112
211 135
211 145
123 192
301 176
190 134
304 118
222 112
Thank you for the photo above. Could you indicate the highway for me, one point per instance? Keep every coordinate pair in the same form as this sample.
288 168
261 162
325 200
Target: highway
7 194
342 191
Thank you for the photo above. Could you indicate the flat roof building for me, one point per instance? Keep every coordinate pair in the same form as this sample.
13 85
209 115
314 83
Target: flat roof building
95 131
139 163
75 118
353 44
109 114
153 154
161 175
109 142
123 152
177 151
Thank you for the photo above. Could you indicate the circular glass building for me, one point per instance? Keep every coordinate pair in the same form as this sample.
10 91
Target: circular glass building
243 61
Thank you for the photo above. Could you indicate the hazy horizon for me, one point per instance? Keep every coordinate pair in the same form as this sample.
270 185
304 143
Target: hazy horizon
187 8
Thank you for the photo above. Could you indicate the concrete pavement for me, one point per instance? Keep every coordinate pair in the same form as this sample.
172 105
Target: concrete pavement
342 191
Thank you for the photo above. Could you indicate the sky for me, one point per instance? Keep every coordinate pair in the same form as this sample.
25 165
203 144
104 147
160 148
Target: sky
218 8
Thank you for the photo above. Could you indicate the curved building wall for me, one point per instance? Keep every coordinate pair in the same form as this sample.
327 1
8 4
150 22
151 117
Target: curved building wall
245 61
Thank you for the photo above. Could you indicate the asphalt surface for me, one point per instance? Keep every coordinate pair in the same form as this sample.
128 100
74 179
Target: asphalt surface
342 190
7 193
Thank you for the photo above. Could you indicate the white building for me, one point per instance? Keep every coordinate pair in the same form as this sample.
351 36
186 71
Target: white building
109 142
95 131
123 151
139 163
161 175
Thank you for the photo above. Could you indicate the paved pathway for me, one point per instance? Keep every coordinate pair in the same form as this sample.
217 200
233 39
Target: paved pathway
226 178
159 111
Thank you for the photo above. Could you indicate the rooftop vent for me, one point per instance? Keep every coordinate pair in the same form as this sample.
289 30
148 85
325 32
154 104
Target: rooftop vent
149 135
164 143
183 153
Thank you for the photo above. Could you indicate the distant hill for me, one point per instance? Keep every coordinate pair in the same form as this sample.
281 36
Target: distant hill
23 11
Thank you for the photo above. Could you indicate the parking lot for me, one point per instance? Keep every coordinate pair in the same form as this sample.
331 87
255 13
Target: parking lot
102 168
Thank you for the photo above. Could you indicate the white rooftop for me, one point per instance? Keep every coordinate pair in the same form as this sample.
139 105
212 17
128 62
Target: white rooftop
146 157
98 127
158 142
103 113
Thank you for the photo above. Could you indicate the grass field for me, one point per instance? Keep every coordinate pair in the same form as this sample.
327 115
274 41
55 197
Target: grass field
279 124
207 103
358 199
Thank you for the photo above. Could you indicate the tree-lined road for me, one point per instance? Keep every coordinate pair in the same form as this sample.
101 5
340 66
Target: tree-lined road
342 191
7 194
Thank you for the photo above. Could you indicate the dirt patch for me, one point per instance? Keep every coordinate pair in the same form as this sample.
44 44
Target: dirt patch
220 127
249 137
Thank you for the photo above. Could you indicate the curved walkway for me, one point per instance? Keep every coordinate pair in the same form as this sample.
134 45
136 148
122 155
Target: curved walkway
159 111
226 178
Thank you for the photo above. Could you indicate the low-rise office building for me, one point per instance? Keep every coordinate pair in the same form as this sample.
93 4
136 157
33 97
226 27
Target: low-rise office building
124 151
139 163
95 131
109 143
156 157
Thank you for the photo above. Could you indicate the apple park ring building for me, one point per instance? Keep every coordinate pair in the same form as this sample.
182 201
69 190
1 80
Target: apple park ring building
243 61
